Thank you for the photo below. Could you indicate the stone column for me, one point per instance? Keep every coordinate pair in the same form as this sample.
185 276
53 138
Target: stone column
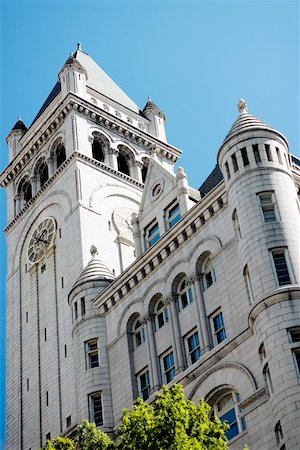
114 158
34 187
138 171
18 203
172 300
183 190
136 235
203 321
52 165
153 353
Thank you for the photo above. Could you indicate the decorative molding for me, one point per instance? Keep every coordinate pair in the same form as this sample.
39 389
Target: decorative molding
256 399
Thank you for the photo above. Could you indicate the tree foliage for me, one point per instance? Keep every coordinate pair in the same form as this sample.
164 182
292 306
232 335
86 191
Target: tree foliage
171 423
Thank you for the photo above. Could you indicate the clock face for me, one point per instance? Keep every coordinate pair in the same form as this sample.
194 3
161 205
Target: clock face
122 220
41 240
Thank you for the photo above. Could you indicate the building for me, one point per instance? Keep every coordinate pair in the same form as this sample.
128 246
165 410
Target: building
121 277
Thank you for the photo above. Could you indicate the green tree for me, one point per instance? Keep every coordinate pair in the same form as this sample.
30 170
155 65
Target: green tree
171 423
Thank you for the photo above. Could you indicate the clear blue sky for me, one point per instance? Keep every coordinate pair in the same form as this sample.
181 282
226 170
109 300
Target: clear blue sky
194 58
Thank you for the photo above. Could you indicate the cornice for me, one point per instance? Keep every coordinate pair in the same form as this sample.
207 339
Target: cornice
95 114
190 223
78 156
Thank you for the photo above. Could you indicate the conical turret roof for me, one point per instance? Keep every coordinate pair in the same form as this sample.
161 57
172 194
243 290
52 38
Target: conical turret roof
95 270
152 108
19 125
247 122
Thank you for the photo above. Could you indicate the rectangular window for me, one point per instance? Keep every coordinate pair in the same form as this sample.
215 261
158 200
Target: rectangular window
82 304
47 398
68 421
268 206
27 384
268 152
144 385
172 215
168 367
92 354
75 310
26 316
193 348
245 156
268 379
217 327
278 155
152 234
256 153
62 282
294 338
95 408
227 170
66 353
234 163
45 334
281 267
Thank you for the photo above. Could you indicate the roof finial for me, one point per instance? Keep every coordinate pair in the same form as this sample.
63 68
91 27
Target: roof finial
78 46
242 106
149 99
94 251
19 117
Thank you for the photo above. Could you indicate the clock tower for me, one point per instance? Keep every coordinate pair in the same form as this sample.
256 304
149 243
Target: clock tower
74 180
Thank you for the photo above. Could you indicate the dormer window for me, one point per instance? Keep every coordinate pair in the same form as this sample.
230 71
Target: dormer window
152 234
172 214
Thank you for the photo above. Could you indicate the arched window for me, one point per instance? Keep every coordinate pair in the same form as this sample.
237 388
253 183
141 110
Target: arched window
123 164
185 295
43 173
139 333
161 315
144 170
97 150
227 408
25 190
60 155
208 273
236 224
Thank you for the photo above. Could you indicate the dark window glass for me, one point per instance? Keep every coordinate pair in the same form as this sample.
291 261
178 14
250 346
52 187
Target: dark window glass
245 156
97 151
281 268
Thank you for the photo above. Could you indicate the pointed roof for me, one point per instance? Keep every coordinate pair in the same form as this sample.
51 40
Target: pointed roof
247 122
152 108
95 270
211 181
19 125
102 83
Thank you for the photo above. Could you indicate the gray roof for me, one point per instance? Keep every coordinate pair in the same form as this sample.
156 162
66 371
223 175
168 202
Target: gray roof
101 82
246 122
95 270
19 125
211 181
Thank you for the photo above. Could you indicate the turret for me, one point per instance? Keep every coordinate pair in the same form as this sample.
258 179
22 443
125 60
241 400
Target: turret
73 77
262 203
89 343
13 139
157 120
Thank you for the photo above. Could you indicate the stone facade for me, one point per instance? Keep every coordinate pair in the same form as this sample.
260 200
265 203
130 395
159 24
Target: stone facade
199 289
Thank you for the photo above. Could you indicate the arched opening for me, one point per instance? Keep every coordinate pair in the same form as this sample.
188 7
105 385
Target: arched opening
27 191
208 275
43 173
225 405
98 150
60 154
123 164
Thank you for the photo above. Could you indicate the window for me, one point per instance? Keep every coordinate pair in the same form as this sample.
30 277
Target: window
278 432
262 353
248 285
227 170
27 384
208 273
256 153
268 152
95 408
281 267
234 163
92 354
43 173
245 156
152 234
172 215
123 164
68 421
144 385
278 155
185 295
193 347
217 327
47 398
268 206
228 410
27 191
236 224
268 379
97 150
139 333
161 315
294 338
82 304
60 155
75 310
168 367
66 352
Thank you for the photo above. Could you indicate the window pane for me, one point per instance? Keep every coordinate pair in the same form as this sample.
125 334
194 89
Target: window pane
281 268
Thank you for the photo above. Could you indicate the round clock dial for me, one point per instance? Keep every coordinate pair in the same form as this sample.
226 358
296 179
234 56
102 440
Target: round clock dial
122 220
41 240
